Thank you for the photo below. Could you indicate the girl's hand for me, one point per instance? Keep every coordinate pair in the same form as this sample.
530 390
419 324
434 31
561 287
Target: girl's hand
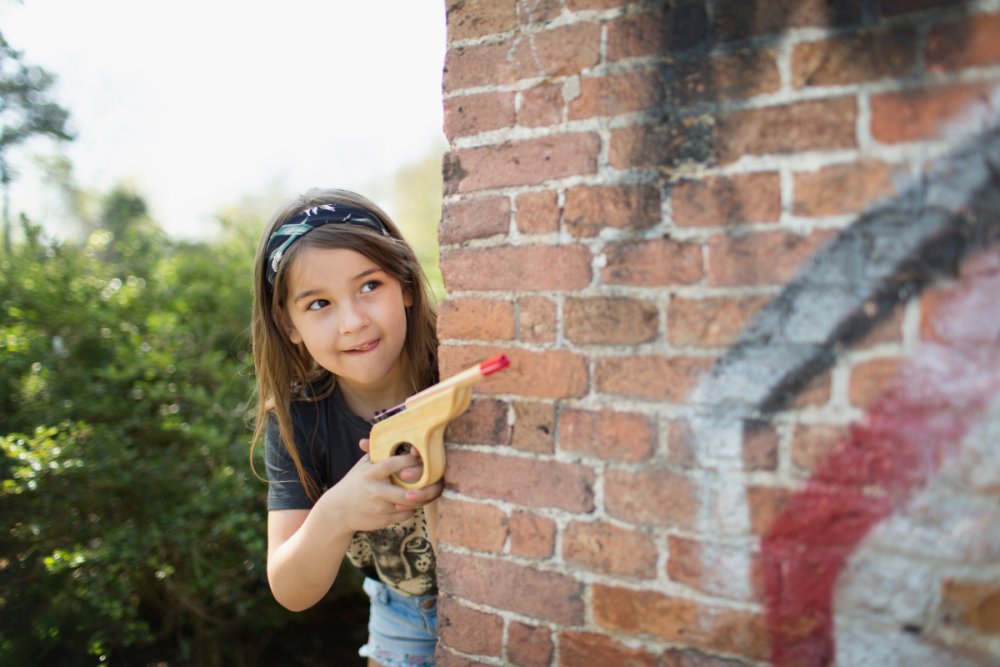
367 499
411 474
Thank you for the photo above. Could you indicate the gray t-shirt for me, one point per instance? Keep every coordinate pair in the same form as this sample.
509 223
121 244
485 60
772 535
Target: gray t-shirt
327 435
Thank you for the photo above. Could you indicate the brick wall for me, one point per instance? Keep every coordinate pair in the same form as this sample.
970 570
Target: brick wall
743 257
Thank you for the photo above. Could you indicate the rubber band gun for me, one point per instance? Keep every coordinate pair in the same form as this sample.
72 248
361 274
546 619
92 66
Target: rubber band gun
421 419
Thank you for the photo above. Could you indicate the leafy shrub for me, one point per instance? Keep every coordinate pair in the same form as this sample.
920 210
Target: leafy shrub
135 531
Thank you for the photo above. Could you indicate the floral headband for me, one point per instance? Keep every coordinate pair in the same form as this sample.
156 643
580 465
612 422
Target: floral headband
308 220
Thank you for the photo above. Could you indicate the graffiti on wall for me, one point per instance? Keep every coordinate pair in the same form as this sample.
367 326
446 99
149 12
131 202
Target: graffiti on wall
901 486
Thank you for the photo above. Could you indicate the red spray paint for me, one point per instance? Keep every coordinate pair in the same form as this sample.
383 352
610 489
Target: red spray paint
879 465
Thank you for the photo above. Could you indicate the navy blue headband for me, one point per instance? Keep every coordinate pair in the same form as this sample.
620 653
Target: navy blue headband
310 219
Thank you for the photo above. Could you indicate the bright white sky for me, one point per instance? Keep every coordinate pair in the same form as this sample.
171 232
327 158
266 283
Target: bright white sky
198 103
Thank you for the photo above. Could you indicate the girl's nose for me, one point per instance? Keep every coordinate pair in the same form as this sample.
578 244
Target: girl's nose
353 318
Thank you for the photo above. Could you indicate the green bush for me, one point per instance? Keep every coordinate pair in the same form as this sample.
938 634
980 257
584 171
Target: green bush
135 531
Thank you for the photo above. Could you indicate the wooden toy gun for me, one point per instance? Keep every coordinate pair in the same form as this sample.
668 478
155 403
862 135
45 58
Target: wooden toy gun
421 419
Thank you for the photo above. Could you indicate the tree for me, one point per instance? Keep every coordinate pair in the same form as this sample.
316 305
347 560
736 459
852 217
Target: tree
26 111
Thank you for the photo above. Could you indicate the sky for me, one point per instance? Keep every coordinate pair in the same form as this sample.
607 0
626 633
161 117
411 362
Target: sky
198 104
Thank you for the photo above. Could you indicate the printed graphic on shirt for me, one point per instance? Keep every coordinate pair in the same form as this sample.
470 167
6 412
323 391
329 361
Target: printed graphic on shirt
401 554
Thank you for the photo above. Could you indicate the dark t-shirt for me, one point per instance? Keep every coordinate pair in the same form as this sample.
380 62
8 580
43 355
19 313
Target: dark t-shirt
327 435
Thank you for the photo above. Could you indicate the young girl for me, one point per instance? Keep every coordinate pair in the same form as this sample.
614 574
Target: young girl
343 326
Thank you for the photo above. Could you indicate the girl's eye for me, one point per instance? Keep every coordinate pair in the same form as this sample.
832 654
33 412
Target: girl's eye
317 304
370 286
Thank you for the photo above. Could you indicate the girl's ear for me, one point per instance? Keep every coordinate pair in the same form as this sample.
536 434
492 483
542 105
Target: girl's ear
293 334
407 297
285 323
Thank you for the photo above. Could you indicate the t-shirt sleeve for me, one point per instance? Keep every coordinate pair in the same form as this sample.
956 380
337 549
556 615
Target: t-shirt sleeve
284 490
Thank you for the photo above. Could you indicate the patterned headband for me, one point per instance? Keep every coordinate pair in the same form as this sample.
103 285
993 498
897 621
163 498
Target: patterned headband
308 220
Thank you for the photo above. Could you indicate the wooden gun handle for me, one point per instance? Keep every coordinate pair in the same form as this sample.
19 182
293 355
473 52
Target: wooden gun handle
421 426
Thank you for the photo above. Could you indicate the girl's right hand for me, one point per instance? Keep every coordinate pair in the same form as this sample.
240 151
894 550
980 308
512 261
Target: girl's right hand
366 499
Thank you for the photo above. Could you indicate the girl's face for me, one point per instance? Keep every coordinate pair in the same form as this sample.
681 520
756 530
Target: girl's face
349 314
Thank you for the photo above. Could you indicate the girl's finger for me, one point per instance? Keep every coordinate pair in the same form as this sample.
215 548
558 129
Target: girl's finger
394 465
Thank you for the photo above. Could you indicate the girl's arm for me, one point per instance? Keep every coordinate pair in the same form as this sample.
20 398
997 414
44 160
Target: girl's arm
305 547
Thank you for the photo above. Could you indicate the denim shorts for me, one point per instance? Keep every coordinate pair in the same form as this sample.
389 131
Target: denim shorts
402 629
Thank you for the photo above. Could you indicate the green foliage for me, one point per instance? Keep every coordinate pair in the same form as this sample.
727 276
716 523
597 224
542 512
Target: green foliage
134 528
417 191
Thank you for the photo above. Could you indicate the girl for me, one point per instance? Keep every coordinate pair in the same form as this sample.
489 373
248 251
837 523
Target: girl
343 326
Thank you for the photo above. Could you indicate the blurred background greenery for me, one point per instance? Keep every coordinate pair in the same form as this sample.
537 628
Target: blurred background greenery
134 529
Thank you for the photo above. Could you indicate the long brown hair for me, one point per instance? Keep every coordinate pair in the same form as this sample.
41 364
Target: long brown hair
285 371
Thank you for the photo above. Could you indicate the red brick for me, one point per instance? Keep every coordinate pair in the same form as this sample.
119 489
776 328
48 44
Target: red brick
651 378
466 115
534 427
710 321
765 504
738 19
801 126
688 658
541 105
529 645
714 627
468 630
702 566
812 444
651 497
653 263
608 434
562 51
681 444
859 57
525 481
590 209
608 549
468 19
610 321
476 319
889 329
635 36
472 525
553 374
532 536
816 392
727 200
489 64
921 114
510 587
760 258
971 605
760 446
677 144
586 649
484 423
616 94
527 162
842 189
474 218
869 379
537 212
540 11
517 268
445 658
713 79
536 320
968 43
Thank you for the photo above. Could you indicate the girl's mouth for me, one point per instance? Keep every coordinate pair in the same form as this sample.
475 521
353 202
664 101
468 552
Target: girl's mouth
365 347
